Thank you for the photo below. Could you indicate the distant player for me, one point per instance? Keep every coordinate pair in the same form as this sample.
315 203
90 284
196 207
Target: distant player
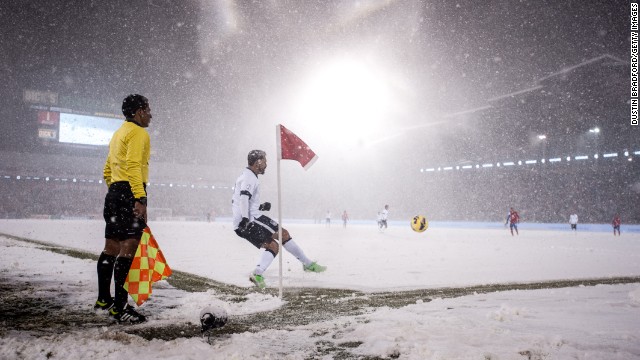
345 218
573 221
260 230
382 218
327 219
616 224
514 219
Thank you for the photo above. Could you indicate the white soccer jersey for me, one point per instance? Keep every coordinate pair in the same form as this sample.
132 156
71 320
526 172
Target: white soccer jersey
573 219
383 214
247 190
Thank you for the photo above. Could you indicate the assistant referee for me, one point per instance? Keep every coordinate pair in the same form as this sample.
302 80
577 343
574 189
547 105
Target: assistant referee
126 173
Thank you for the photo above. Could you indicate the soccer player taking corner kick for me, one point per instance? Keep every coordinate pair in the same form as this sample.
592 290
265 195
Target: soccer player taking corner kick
260 230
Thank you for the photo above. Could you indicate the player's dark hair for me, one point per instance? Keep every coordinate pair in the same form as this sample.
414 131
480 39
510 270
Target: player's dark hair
133 103
255 155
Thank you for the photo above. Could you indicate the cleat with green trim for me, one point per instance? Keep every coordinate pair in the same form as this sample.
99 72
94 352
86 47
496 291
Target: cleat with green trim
127 315
103 304
314 267
258 281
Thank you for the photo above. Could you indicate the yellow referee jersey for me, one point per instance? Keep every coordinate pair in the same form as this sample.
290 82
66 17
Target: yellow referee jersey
128 159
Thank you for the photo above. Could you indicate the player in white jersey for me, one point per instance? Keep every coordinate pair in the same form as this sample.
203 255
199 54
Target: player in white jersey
573 221
258 229
384 213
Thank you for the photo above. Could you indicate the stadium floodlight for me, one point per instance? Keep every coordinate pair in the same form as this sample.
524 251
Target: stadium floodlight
595 130
630 159
430 169
18 177
439 169
448 168
531 162
581 157
610 155
626 153
595 156
467 167
477 166
555 160
498 164
508 163
519 162
636 153
487 165
347 93
542 137
542 161
568 158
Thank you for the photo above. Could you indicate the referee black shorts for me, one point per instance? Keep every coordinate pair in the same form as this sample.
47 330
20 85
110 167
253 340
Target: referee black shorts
121 224
259 231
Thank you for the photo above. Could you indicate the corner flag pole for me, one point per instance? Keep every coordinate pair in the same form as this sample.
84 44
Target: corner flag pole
290 147
279 212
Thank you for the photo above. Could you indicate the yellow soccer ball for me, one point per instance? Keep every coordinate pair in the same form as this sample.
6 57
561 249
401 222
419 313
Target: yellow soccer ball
419 223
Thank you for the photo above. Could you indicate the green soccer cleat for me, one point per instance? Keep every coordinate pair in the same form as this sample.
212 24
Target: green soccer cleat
258 280
314 267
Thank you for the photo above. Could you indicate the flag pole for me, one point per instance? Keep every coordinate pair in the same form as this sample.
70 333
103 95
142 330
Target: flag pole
279 146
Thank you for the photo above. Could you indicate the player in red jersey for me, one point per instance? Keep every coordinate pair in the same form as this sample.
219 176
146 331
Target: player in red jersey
616 224
514 219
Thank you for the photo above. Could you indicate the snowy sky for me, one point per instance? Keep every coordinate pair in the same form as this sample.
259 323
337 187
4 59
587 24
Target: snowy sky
223 68
579 322
369 85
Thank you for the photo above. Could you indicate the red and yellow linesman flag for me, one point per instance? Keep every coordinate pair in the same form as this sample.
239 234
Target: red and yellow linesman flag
148 266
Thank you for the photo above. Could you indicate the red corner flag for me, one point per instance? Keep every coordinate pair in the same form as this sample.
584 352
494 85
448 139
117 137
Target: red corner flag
290 147
148 266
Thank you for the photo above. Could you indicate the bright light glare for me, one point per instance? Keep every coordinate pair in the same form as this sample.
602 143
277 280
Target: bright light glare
345 94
